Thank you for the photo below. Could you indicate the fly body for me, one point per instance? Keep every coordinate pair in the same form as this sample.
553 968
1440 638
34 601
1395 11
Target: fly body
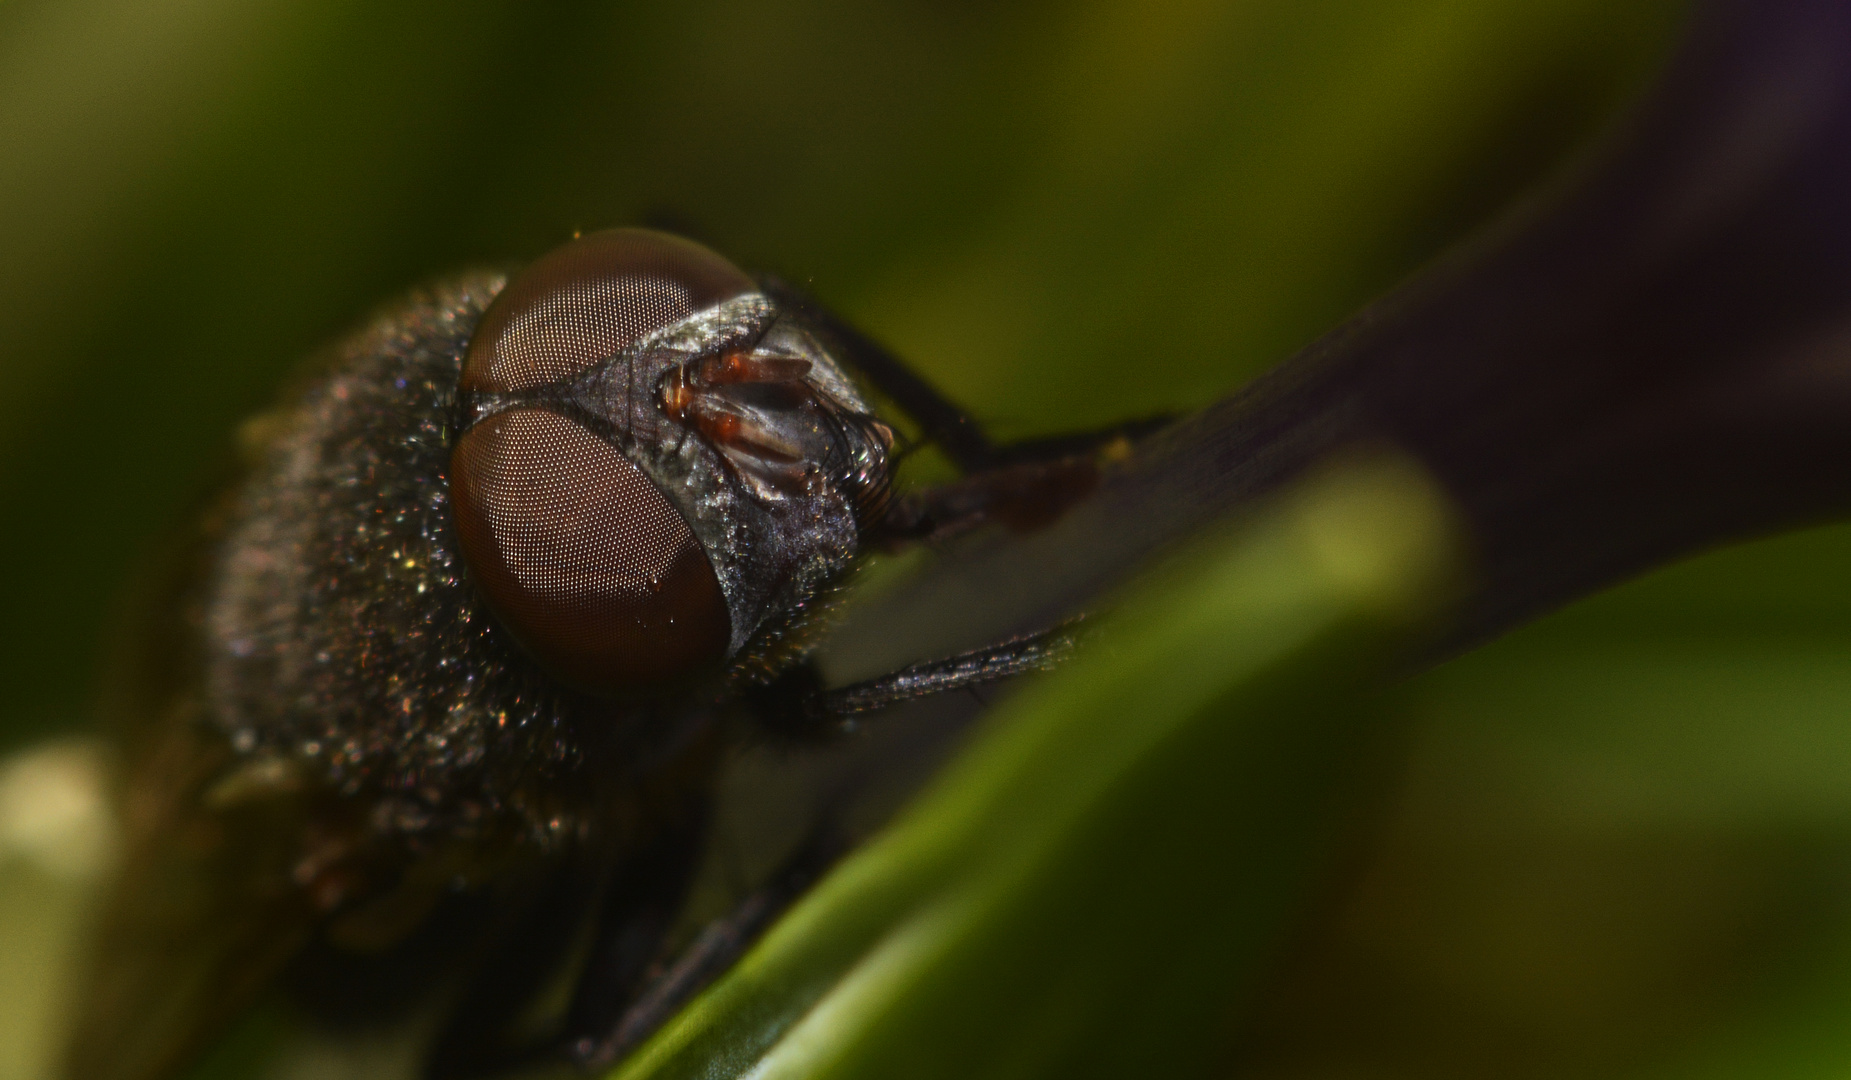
448 662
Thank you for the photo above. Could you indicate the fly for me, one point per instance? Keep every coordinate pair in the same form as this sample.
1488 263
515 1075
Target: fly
449 662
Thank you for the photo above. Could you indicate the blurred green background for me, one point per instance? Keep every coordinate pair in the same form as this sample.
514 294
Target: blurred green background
1622 840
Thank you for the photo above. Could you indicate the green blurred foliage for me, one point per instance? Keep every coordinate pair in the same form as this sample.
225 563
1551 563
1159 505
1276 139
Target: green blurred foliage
40 914
1621 840
1622 846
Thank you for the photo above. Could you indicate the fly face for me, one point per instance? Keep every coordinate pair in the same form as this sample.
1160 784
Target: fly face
464 629
656 470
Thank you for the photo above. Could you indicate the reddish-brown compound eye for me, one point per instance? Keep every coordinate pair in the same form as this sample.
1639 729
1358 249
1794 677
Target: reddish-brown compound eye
584 302
581 556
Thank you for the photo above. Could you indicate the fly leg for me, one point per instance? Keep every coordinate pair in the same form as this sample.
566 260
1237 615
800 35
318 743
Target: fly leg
605 1037
1021 497
942 422
798 707
631 907
475 1039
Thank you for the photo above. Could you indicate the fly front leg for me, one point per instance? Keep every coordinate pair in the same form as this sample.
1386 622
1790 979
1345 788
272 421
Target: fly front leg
941 421
1025 487
1021 485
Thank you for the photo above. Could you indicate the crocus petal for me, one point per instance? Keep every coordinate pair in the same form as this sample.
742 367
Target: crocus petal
1651 358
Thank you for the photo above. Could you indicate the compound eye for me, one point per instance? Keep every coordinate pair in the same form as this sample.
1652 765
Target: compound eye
581 556
584 302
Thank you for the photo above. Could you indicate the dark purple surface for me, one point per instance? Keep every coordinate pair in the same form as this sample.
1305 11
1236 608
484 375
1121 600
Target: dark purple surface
1650 358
